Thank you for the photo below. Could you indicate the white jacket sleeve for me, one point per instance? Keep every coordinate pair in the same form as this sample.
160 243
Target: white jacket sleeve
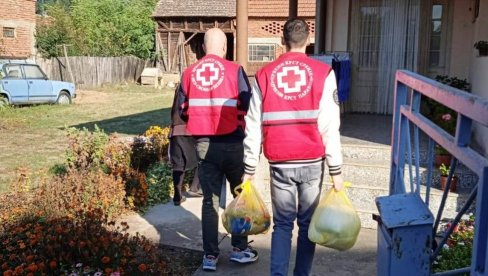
329 123
253 139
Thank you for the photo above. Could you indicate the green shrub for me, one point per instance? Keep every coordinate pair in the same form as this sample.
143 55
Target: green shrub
160 183
457 253
85 148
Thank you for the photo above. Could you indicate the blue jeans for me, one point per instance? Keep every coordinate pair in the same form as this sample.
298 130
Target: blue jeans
286 184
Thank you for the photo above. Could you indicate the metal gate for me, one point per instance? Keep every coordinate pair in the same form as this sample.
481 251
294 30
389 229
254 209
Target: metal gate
407 229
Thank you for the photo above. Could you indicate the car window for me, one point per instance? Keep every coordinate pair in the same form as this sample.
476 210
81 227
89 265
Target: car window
2 74
13 71
33 72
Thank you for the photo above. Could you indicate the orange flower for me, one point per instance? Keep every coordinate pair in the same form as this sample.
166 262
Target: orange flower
29 259
106 260
53 264
108 271
59 229
8 273
142 267
22 245
33 241
19 270
32 268
30 274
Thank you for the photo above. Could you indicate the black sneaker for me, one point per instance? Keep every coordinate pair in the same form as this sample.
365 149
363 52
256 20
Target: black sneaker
178 202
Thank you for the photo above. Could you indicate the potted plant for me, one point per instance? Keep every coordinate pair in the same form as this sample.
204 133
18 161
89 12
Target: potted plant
482 47
441 156
444 171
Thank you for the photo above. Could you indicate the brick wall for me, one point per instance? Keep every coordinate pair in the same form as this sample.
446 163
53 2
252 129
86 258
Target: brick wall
269 30
272 27
20 15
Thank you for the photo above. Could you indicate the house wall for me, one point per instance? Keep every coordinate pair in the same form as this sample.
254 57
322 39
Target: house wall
337 25
269 31
462 36
479 71
21 15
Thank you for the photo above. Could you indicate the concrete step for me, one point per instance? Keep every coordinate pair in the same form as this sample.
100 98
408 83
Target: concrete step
365 153
367 168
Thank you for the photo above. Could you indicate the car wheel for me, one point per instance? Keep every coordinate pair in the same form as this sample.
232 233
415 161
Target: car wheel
63 98
3 102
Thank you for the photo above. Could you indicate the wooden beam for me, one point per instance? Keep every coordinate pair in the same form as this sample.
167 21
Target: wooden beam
186 24
242 33
216 23
171 24
227 30
201 25
293 9
186 41
169 52
163 25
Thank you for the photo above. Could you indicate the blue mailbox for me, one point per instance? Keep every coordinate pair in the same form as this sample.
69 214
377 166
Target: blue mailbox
404 235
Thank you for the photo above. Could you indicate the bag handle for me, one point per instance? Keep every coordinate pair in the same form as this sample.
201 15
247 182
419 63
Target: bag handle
242 186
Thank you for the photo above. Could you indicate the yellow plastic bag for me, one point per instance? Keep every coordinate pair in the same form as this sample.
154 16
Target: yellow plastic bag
246 214
335 223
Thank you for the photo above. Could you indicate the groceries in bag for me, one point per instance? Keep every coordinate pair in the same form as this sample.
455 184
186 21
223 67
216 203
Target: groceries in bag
335 223
246 214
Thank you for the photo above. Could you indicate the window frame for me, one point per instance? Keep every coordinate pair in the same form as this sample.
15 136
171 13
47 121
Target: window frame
38 68
9 29
250 52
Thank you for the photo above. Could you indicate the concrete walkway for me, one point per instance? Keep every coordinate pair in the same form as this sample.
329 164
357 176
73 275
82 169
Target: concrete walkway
181 227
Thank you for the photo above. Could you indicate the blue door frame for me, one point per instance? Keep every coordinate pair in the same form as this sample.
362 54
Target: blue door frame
410 88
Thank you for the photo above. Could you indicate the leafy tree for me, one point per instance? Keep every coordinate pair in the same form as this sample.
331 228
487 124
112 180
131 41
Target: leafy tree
100 27
55 30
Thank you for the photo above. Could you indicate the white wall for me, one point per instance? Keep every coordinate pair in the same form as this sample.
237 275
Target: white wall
462 36
479 70
337 25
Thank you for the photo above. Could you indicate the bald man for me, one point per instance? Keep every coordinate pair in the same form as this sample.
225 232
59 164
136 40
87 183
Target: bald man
214 98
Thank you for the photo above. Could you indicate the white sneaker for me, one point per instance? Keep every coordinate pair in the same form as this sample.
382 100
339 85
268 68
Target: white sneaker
247 255
210 262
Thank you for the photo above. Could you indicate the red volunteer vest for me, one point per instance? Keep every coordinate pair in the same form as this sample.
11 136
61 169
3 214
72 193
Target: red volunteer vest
211 87
292 87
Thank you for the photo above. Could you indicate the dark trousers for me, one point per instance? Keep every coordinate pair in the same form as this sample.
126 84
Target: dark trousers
178 179
218 161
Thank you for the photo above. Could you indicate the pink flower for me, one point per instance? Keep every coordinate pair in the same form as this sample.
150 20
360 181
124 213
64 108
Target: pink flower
446 117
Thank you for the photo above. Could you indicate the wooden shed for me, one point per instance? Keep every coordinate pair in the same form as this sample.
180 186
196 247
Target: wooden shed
181 25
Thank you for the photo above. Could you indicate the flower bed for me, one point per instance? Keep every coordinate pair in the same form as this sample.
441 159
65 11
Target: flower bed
457 252
65 225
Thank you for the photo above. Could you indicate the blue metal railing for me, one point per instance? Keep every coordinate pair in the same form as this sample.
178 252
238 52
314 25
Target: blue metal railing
410 88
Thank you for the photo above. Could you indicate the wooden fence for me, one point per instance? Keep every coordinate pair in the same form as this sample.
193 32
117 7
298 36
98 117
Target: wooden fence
92 72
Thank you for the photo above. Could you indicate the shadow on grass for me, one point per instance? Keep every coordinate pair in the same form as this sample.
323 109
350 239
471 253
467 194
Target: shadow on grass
134 124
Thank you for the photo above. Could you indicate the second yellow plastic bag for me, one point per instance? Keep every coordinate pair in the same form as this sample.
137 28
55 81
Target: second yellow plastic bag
246 214
335 223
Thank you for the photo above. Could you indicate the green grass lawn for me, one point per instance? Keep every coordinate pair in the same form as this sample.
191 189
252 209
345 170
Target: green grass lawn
34 137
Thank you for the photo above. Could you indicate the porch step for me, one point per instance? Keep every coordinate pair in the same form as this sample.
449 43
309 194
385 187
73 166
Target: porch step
367 167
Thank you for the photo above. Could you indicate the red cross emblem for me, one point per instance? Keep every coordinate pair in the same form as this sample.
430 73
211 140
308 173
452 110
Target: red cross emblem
207 74
291 79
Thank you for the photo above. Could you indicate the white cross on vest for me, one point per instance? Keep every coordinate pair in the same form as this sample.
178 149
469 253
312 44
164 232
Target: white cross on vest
291 79
207 74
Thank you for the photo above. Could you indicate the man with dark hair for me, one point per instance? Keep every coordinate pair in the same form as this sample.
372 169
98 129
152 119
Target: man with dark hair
294 113
215 95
